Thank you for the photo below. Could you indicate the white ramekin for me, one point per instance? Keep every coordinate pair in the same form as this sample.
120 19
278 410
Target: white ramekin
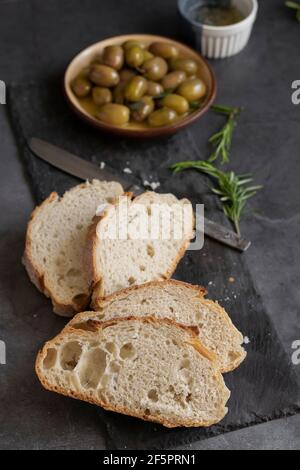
218 42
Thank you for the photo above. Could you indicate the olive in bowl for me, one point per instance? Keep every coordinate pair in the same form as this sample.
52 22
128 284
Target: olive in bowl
139 85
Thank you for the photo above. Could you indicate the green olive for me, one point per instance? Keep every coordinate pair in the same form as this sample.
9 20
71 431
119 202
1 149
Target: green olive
135 88
164 49
173 79
155 69
147 55
143 108
101 95
126 75
134 56
118 93
113 56
176 102
133 43
85 72
189 66
103 75
162 117
154 89
115 114
192 90
81 86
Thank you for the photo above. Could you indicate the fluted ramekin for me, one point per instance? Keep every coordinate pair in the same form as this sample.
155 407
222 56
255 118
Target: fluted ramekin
218 42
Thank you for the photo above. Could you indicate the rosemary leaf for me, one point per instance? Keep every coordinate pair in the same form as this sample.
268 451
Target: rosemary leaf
222 140
232 189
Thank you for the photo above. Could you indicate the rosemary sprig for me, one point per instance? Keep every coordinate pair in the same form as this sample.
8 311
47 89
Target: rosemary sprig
233 190
222 139
294 6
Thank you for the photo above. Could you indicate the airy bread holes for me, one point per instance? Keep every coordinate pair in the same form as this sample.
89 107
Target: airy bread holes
127 351
81 300
185 364
153 395
150 251
70 355
110 347
142 268
50 358
73 272
93 365
85 326
131 280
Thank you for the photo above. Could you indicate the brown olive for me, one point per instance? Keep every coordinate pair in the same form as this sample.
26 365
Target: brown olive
81 86
189 66
162 117
176 102
135 88
164 49
103 75
132 43
115 114
143 108
155 69
113 56
154 89
173 79
126 75
101 95
147 55
192 90
134 56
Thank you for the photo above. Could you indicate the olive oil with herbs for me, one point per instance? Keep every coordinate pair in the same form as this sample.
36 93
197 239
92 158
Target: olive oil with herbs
212 15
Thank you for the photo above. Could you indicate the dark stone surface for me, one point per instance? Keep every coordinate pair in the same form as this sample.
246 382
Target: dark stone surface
266 143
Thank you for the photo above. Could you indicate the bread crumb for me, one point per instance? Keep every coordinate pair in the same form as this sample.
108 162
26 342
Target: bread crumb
102 165
210 283
231 279
246 340
127 170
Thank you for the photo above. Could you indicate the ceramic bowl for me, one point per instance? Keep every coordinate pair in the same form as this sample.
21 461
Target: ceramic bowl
218 42
135 129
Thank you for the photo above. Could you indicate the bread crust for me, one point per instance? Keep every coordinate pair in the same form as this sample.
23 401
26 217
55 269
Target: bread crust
194 342
93 241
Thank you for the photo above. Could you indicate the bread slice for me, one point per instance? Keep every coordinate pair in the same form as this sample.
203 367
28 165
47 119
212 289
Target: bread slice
152 369
138 240
183 303
55 244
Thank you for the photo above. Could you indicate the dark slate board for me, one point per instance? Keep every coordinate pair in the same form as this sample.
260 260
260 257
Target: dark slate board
265 386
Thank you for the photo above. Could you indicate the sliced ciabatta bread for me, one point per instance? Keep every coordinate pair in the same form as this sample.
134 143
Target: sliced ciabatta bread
183 303
152 369
55 244
136 241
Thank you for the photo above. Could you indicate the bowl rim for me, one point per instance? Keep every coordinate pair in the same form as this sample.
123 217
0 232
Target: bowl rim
243 23
142 132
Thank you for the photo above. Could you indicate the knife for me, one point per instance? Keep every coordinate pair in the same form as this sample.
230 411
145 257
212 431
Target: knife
85 170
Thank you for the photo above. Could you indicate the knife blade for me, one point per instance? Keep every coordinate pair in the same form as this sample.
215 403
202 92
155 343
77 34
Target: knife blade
86 170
